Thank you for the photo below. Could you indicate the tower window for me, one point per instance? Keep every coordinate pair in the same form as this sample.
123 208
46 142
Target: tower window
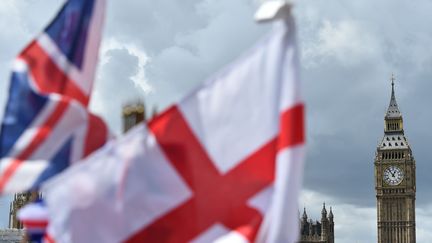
396 144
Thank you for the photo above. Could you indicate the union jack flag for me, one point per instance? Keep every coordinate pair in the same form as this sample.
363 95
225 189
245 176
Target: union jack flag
47 125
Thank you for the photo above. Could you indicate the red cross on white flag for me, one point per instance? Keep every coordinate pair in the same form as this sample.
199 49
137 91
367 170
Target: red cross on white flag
222 165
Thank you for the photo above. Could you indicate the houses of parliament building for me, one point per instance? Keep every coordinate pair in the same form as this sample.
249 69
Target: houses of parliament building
318 231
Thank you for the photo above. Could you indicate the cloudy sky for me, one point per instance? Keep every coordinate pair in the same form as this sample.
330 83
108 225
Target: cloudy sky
157 51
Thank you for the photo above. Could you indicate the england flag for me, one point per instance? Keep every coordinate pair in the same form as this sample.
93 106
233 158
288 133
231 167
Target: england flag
47 125
222 165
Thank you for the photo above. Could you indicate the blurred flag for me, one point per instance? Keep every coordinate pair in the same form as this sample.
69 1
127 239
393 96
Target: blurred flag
34 217
222 165
47 125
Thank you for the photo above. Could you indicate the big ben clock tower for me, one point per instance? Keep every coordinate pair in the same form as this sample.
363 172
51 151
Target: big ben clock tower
395 180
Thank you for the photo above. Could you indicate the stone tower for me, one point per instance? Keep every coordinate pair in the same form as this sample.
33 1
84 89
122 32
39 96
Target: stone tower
395 180
132 115
19 201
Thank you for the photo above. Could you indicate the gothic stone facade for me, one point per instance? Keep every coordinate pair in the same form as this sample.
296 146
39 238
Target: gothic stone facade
20 200
395 181
12 236
323 232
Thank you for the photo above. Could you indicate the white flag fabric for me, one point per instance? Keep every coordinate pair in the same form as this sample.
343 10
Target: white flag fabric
222 165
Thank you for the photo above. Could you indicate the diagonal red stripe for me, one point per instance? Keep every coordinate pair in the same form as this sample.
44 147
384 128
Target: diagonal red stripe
182 147
47 75
292 127
216 198
246 221
41 135
97 134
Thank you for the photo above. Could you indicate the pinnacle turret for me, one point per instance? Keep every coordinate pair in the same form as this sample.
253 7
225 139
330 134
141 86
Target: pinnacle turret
305 215
393 122
324 211
393 109
331 214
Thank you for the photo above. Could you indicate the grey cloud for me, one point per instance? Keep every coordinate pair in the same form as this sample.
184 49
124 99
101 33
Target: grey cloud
115 88
195 55
153 25
347 99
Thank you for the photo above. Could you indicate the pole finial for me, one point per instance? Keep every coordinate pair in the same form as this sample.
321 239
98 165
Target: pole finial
392 79
273 10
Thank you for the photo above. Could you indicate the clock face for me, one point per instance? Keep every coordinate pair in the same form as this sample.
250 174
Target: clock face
393 175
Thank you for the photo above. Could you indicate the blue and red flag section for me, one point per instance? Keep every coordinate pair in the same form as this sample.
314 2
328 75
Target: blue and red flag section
34 217
47 125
